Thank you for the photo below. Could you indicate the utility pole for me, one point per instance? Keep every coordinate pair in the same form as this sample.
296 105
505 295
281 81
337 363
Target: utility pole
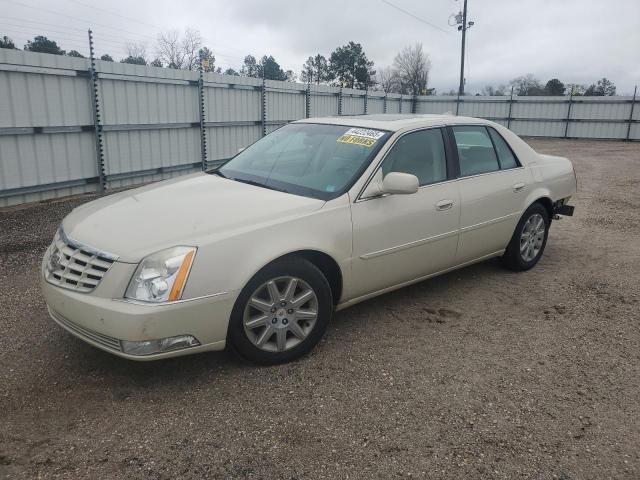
463 26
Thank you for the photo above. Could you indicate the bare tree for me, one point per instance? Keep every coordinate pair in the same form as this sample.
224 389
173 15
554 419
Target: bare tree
191 43
491 91
176 52
168 49
387 80
412 66
136 50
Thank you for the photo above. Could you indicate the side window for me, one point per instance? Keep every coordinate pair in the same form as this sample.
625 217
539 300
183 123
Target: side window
505 155
421 154
475 150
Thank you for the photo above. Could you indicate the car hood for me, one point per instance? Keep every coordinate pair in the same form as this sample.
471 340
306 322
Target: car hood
190 210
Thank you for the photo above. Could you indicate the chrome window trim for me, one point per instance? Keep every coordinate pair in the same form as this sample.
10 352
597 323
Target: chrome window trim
390 147
487 127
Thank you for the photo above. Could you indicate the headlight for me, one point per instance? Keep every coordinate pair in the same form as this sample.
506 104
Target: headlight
161 277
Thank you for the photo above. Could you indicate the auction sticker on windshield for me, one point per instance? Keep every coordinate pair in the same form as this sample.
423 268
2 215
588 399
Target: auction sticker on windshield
361 136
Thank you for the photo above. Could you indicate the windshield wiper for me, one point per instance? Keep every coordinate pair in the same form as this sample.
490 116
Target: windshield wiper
258 184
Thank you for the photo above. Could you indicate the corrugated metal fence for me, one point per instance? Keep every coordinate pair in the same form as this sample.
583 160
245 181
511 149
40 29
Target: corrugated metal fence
154 123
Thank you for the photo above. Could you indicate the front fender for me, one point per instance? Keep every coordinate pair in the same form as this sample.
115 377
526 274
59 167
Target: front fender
228 263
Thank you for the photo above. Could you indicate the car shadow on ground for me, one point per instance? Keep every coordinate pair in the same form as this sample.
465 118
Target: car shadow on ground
83 359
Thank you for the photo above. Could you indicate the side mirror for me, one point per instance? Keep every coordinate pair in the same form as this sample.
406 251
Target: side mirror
400 183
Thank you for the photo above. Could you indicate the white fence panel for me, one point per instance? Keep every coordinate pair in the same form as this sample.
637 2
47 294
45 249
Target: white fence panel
152 120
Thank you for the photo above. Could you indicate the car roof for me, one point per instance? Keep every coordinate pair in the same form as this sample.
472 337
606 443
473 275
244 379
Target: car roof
394 121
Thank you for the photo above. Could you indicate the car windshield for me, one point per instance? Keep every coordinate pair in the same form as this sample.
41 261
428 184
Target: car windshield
314 160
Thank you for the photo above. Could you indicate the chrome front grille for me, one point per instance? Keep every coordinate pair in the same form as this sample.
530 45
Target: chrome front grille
74 266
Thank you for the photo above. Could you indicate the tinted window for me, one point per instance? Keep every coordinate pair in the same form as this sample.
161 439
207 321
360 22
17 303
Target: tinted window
420 154
475 150
507 159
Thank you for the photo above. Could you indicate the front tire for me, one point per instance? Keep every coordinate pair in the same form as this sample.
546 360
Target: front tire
282 313
528 240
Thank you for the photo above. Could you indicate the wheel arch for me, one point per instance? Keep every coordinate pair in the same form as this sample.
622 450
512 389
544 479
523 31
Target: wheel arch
541 196
324 262
547 203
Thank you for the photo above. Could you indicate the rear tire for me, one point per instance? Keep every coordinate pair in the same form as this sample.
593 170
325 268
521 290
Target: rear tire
528 240
282 312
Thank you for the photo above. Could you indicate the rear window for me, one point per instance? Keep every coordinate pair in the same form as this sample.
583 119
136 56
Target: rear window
475 150
505 155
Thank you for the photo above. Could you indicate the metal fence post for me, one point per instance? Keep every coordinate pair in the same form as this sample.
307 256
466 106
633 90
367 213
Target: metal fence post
263 110
414 104
458 104
510 108
400 106
340 101
566 126
97 123
307 108
203 132
633 104
366 99
384 104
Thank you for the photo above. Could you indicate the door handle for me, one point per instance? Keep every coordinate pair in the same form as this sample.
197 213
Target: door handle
518 187
444 205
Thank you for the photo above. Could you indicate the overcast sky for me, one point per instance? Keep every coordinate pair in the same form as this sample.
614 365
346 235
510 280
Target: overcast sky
578 41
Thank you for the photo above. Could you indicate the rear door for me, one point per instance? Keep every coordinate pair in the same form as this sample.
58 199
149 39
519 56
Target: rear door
493 186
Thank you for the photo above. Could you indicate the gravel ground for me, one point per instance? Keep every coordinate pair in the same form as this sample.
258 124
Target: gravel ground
480 373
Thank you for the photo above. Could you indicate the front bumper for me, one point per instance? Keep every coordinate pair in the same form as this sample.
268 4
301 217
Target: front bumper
104 322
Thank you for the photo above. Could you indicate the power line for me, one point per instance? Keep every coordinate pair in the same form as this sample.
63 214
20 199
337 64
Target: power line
59 34
415 16
84 20
115 14
44 23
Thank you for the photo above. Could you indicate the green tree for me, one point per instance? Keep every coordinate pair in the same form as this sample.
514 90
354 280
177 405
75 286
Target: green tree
554 87
6 42
272 69
156 63
207 59
251 68
231 71
267 67
75 53
350 66
316 70
603 87
134 60
43 45
106 58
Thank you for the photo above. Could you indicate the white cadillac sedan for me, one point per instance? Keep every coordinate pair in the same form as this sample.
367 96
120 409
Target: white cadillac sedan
317 216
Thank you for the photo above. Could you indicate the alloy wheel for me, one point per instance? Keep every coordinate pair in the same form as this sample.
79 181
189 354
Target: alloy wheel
532 237
280 314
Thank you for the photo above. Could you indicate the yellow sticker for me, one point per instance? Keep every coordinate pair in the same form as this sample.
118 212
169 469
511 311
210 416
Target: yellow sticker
355 140
364 137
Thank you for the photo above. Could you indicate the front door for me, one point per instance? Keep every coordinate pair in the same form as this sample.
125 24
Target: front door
399 238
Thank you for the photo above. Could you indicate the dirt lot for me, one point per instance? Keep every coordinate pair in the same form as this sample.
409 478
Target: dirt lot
481 373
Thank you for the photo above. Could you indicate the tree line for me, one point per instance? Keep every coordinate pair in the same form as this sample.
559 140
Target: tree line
346 66
529 85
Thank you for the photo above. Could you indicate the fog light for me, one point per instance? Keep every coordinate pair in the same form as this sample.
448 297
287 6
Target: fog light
161 345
